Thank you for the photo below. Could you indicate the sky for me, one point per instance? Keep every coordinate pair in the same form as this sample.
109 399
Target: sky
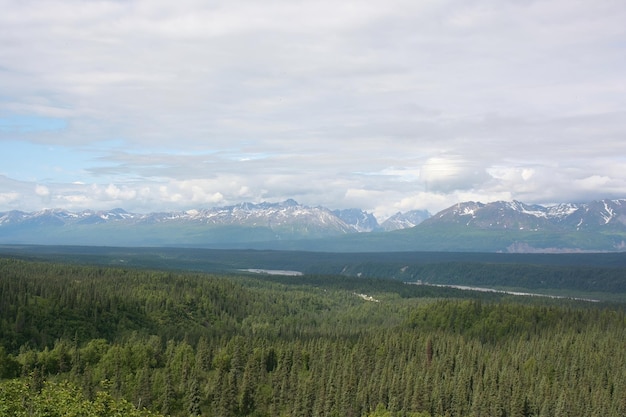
383 105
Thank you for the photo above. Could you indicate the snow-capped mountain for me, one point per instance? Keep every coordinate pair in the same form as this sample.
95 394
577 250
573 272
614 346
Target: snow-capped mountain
603 214
405 220
513 226
607 214
497 215
285 220
507 226
286 215
359 220
61 217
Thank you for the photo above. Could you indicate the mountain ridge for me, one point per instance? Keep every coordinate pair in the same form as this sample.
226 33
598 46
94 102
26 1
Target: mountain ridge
576 216
247 213
500 226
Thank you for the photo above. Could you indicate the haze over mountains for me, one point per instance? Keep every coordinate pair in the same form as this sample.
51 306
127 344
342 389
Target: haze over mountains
470 226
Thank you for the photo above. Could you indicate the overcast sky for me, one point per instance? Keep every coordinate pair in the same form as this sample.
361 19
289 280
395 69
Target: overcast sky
386 105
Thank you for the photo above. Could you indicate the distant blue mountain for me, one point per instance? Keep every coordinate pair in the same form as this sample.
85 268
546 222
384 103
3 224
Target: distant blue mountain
470 226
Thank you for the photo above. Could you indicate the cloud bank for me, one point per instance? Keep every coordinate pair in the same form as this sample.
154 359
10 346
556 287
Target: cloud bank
387 106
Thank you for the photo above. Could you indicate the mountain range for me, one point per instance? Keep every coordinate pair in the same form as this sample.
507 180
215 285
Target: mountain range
470 226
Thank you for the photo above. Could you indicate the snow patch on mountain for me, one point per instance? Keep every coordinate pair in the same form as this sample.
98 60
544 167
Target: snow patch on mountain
610 214
361 221
561 211
288 220
405 220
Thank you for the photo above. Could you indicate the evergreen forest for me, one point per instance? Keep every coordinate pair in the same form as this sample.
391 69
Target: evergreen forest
98 340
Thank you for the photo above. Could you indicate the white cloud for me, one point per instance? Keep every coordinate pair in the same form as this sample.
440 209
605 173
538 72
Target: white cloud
449 173
199 192
7 199
114 192
384 105
593 182
527 173
76 201
42 190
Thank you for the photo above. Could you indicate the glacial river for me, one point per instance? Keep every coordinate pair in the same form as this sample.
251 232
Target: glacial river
273 272
482 289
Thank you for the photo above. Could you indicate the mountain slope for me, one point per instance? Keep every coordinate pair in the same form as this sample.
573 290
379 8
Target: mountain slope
499 226
240 223
405 220
603 215
360 220
515 226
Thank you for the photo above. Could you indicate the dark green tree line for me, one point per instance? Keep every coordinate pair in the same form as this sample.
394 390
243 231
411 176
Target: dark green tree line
184 344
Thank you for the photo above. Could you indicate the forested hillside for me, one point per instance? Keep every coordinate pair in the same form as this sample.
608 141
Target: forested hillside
102 341
584 275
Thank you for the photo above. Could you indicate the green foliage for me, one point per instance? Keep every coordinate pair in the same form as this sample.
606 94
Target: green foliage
381 411
599 275
17 398
9 367
492 322
142 341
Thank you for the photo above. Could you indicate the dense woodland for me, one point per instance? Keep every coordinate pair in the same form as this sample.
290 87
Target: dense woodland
102 341
585 275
